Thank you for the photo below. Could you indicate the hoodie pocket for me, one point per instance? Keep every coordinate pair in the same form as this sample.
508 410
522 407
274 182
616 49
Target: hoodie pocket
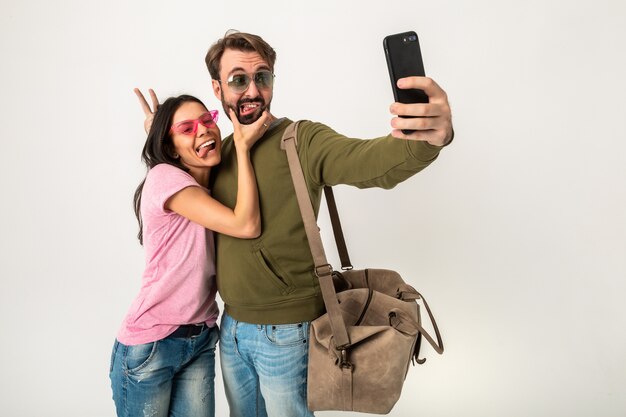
272 270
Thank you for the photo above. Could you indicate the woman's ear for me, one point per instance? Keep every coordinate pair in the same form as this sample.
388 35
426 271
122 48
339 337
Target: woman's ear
169 151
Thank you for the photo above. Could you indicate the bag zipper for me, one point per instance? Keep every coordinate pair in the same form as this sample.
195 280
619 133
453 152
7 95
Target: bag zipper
370 293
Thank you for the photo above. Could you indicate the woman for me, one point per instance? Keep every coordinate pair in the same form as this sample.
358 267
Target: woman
163 360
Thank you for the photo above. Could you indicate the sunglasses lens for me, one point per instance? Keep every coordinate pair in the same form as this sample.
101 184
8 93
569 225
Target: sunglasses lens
184 128
264 79
239 82
208 120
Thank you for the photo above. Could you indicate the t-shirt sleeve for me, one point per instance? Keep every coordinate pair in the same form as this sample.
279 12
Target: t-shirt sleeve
162 182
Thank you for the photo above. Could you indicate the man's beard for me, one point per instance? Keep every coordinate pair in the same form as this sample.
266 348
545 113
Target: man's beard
248 118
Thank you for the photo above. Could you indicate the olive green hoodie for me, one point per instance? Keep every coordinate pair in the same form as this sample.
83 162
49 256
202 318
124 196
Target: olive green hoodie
270 279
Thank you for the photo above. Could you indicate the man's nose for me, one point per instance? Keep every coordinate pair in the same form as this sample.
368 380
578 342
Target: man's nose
252 90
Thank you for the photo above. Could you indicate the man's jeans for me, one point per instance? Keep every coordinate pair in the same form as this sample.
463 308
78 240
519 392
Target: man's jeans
264 368
169 377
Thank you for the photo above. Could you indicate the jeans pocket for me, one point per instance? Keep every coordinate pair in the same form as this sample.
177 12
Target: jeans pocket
139 356
287 334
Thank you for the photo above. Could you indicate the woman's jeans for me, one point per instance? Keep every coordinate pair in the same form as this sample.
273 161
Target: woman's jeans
167 378
265 368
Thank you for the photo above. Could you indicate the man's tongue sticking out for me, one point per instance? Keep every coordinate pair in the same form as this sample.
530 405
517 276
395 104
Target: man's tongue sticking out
250 110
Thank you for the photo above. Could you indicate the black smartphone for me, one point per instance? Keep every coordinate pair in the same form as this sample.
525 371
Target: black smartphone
404 59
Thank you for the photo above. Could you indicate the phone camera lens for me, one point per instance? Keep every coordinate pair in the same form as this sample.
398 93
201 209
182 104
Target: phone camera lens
412 38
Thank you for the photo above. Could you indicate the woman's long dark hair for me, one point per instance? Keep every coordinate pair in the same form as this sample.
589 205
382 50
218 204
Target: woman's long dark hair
159 148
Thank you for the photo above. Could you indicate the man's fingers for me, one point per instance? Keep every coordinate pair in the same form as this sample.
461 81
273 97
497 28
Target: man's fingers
417 123
430 87
434 137
418 109
432 121
422 135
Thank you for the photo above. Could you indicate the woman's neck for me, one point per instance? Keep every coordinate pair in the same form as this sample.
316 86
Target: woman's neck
201 176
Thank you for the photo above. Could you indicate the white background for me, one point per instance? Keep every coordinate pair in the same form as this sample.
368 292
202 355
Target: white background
516 235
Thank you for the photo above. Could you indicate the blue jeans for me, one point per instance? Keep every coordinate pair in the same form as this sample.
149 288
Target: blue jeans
172 377
265 368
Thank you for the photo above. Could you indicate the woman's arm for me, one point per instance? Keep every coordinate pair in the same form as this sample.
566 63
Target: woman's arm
244 221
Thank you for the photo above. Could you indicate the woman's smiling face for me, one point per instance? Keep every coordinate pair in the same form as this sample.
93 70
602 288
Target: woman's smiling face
197 145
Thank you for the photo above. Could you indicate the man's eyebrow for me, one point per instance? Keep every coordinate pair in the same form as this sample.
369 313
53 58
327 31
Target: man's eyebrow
240 69
236 69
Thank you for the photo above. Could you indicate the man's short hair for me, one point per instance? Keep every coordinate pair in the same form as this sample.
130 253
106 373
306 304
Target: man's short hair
240 41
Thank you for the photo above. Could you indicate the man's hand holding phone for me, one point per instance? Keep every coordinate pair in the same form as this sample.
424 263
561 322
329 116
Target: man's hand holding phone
421 108
431 122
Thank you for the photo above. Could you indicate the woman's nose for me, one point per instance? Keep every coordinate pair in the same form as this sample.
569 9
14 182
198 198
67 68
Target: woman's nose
202 130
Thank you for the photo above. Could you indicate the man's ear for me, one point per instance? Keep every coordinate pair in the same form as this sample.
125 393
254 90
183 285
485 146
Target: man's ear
217 89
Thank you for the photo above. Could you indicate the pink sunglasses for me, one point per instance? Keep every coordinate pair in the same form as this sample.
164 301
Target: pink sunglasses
190 127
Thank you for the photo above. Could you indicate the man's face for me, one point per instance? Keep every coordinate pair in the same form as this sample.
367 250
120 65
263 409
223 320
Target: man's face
249 104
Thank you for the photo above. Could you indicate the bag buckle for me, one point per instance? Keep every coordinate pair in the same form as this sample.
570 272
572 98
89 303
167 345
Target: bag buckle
323 270
344 360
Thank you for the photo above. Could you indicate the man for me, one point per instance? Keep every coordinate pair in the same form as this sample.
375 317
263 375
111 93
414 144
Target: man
268 285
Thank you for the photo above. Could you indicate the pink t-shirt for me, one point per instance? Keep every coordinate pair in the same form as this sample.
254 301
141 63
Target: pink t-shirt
178 285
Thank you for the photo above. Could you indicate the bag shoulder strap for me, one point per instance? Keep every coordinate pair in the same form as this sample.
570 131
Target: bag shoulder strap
323 270
342 249
337 231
